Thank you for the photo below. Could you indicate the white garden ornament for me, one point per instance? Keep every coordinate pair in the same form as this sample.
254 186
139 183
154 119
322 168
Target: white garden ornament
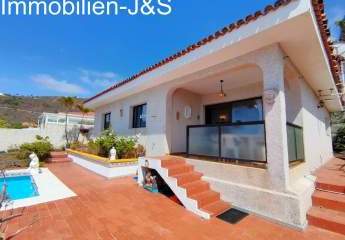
112 154
34 163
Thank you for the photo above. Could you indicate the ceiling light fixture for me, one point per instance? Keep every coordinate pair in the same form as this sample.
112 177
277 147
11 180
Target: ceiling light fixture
222 93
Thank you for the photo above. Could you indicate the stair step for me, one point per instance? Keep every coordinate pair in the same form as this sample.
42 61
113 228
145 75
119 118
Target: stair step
206 198
187 177
327 219
217 208
329 200
196 187
179 169
334 187
58 154
59 160
171 160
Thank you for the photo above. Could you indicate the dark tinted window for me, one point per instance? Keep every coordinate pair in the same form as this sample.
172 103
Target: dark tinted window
247 111
107 118
240 111
220 113
139 116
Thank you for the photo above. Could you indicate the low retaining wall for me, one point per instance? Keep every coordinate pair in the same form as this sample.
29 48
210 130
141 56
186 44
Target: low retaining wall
104 167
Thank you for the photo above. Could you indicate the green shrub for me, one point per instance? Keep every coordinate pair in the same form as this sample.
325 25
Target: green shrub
339 140
105 142
93 148
42 147
126 147
78 146
4 123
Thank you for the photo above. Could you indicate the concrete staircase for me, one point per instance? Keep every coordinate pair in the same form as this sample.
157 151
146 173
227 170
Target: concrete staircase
196 193
328 211
58 157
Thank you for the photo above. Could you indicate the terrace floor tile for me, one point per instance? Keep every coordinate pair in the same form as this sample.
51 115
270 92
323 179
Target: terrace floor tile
118 209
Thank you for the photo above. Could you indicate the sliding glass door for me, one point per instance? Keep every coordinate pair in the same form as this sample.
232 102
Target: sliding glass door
233 130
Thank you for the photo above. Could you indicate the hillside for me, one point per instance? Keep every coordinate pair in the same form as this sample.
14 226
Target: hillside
27 109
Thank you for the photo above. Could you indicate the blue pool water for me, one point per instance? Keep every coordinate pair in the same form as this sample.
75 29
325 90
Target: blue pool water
19 187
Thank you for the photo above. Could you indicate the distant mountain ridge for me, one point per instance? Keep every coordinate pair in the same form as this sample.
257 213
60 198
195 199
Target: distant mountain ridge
27 109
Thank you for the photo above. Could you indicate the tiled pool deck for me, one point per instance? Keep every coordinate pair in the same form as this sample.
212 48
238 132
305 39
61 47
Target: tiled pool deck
118 209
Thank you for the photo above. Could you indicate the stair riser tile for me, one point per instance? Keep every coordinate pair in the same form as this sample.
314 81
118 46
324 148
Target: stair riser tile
207 200
58 160
187 179
167 163
330 187
197 189
180 170
330 204
326 224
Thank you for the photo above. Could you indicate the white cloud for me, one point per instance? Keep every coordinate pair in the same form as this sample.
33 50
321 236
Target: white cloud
61 86
98 79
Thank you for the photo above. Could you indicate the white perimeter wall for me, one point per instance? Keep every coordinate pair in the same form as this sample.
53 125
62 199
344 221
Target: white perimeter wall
11 138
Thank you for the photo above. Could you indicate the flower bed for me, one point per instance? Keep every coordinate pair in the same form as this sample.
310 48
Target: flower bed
102 159
103 166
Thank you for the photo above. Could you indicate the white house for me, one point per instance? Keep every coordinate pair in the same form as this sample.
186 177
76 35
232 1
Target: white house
255 98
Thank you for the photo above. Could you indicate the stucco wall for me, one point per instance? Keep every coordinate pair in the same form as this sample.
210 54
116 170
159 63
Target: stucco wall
302 110
11 138
317 131
248 91
153 137
181 99
293 99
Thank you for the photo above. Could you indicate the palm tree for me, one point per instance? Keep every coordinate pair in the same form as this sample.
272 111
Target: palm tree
68 103
84 111
341 25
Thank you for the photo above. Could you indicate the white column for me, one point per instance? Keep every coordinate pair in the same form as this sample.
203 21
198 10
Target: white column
275 118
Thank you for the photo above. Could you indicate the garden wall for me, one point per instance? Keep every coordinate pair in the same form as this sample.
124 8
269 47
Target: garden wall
11 138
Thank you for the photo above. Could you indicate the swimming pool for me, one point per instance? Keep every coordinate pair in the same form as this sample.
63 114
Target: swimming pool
19 187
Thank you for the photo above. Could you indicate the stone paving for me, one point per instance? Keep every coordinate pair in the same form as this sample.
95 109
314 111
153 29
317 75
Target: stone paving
119 209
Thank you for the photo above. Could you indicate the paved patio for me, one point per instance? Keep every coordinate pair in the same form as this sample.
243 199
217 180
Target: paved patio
119 209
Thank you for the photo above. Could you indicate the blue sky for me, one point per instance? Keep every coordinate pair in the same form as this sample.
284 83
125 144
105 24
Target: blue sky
79 55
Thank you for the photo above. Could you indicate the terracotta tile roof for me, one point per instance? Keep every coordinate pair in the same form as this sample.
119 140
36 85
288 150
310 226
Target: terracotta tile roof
325 32
318 6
